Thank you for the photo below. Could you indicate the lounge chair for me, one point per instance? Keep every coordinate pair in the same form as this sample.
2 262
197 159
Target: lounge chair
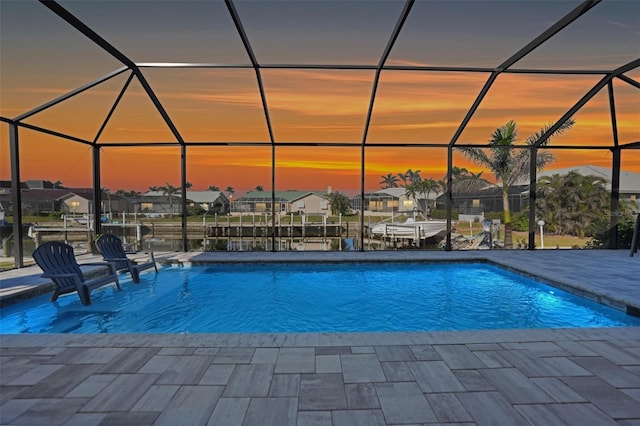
113 252
58 262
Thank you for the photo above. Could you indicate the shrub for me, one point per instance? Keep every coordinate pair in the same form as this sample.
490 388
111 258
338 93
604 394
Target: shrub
442 214
493 215
520 221
600 233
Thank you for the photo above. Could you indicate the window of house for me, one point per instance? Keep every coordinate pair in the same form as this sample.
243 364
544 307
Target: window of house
376 205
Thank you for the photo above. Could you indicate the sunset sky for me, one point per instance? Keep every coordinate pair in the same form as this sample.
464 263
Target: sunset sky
43 57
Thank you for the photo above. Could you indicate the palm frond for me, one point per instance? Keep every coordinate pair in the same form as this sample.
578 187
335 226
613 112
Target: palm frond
477 155
531 140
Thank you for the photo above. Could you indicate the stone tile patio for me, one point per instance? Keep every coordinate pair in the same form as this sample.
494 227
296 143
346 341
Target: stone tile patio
501 377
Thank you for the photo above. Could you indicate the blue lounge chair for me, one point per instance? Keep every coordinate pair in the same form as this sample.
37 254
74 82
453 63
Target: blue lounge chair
113 252
59 264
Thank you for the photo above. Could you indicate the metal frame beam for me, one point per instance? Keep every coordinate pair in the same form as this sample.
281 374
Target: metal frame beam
550 32
256 66
533 180
97 190
505 67
615 171
367 67
16 195
183 195
374 89
586 98
113 51
631 81
53 133
577 12
71 94
113 108
88 32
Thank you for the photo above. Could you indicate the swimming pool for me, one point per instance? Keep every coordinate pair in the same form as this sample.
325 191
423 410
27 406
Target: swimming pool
315 297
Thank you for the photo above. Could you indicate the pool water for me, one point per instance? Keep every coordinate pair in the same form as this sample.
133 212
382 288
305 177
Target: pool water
313 297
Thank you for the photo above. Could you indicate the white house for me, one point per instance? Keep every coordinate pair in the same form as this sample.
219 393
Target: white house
395 200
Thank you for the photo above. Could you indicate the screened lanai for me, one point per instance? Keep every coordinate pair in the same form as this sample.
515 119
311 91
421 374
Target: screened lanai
304 101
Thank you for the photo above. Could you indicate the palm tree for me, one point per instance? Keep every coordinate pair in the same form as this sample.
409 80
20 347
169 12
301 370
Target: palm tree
230 191
413 176
389 181
154 188
426 187
509 167
411 191
573 203
403 177
259 188
339 203
550 201
214 188
187 185
168 190
463 181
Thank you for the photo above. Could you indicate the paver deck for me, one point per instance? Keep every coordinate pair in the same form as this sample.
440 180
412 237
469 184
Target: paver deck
501 377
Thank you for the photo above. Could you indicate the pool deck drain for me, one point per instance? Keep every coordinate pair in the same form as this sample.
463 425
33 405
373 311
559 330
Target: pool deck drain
542 376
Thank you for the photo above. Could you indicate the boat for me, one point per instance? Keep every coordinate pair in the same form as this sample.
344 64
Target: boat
410 229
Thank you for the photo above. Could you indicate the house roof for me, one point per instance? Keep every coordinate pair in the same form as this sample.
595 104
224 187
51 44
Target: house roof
86 194
193 196
44 194
288 196
399 192
159 194
7 184
629 181
206 196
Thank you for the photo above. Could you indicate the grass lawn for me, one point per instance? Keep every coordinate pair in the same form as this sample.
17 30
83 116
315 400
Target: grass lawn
554 241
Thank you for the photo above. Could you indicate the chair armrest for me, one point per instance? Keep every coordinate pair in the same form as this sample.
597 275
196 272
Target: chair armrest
110 266
59 275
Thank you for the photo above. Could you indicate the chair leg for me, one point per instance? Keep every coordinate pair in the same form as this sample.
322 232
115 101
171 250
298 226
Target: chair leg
85 295
55 295
117 281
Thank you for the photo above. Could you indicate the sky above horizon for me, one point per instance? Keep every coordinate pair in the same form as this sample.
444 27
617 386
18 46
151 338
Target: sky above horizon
42 57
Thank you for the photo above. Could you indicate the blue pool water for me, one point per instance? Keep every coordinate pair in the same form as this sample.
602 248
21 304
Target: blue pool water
315 298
